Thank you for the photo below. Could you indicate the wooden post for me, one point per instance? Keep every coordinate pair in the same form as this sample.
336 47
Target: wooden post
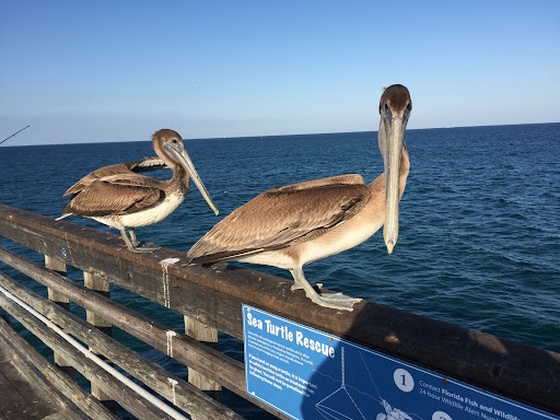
101 286
208 336
61 300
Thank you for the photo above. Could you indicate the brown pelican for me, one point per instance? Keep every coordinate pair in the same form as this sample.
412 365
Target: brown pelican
119 197
290 226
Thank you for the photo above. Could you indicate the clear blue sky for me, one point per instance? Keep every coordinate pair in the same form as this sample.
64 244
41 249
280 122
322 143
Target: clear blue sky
93 71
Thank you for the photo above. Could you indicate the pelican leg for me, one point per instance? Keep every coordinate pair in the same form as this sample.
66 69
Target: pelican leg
332 300
131 245
136 242
133 237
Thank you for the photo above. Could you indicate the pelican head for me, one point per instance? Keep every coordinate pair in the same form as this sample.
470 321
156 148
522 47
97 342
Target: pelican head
394 108
169 146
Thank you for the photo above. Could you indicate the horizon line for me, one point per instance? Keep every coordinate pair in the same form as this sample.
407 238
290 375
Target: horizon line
288 134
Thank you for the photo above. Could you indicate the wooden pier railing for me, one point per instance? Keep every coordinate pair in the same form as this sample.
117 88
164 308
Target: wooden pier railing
211 299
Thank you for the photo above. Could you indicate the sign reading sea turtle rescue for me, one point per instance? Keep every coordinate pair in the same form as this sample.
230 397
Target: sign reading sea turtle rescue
308 374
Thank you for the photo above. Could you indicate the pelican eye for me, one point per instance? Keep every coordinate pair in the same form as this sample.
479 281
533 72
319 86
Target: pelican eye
388 110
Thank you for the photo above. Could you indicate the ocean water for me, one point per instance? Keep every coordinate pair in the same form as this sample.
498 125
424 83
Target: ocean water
479 241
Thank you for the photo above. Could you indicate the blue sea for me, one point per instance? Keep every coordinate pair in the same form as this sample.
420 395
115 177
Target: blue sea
479 241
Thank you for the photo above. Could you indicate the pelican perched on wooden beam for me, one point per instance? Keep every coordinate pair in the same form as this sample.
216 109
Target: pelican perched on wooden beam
119 197
290 226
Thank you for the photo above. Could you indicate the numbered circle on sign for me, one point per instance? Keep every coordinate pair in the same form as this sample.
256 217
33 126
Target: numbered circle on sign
441 415
403 380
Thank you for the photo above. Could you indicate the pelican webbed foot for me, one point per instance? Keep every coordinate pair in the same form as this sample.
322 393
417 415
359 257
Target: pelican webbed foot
143 249
335 301
331 300
133 244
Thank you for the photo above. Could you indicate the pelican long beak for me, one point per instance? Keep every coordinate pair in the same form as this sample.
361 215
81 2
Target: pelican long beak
185 161
391 142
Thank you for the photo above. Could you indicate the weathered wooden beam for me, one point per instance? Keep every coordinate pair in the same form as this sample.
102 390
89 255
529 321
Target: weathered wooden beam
174 389
137 406
54 378
208 361
215 295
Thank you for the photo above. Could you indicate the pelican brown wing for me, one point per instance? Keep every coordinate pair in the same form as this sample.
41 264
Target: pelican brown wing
278 218
146 164
118 194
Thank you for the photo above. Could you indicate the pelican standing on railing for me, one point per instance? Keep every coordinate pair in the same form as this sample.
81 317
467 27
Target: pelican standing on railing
288 227
119 197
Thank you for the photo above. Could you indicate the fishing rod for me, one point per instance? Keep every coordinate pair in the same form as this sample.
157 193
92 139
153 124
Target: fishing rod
17 132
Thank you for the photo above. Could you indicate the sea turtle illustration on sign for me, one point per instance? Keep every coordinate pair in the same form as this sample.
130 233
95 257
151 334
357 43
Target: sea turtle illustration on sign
392 413
343 403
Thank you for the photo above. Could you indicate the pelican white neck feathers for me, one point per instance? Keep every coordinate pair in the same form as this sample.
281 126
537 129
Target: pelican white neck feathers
119 197
288 227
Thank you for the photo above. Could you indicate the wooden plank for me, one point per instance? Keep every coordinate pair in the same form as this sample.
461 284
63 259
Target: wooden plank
39 384
184 349
19 398
174 389
215 296
130 401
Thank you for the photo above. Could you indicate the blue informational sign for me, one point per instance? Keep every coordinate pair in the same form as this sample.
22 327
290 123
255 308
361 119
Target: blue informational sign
308 374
